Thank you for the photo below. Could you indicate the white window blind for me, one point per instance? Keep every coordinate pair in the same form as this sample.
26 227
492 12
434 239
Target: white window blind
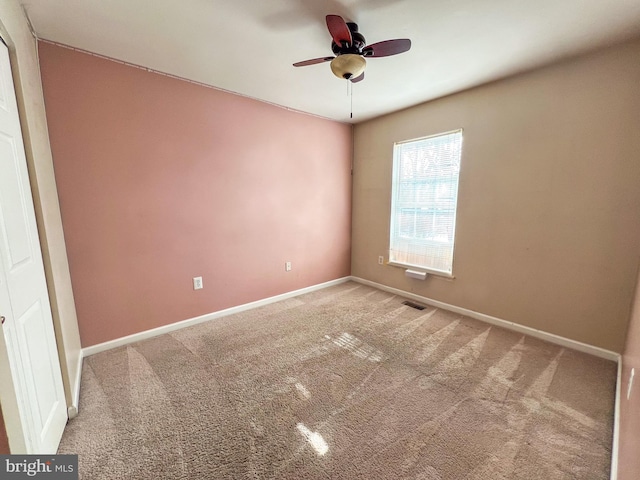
424 199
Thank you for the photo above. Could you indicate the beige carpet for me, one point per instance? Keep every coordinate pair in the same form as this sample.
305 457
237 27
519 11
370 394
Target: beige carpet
344 383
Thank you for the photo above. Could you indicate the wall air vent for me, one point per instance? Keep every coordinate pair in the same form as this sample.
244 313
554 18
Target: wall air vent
411 304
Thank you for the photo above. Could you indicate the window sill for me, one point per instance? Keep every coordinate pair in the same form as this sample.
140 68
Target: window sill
436 273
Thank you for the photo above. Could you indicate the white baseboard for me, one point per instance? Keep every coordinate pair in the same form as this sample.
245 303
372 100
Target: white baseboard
136 337
616 424
549 337
72 410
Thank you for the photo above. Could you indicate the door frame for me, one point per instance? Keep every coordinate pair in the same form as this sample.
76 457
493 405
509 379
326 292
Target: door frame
22 44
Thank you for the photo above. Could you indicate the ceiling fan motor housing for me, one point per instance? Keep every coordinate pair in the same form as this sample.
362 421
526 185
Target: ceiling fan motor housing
349 62
357 43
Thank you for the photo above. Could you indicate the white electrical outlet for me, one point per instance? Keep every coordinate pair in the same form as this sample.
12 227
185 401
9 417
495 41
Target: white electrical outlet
287 266
380 260
197 283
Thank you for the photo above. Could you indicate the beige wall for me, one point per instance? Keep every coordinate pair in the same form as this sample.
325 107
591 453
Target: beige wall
22 47
549 201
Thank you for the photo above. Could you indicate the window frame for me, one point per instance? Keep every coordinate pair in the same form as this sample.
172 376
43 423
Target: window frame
394 196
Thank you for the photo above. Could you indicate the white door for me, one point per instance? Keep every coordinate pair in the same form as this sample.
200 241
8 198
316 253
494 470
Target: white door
24 301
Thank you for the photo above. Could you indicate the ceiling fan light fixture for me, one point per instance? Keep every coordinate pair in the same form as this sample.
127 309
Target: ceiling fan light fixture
348 65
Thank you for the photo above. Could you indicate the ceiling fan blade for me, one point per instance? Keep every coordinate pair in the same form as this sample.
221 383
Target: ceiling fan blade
387 48
313 61
359 78
339 30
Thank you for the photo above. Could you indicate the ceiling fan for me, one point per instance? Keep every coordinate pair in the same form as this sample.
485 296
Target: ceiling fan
350 49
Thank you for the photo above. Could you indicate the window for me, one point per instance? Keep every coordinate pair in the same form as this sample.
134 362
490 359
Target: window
423 202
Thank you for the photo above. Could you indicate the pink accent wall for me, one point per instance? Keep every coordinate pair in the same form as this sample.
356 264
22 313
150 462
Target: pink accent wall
161 180
629 454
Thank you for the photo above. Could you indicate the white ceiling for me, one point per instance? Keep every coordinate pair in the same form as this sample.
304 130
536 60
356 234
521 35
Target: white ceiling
248 46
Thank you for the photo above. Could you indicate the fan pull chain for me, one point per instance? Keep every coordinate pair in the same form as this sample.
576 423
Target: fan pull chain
350 95
351 115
